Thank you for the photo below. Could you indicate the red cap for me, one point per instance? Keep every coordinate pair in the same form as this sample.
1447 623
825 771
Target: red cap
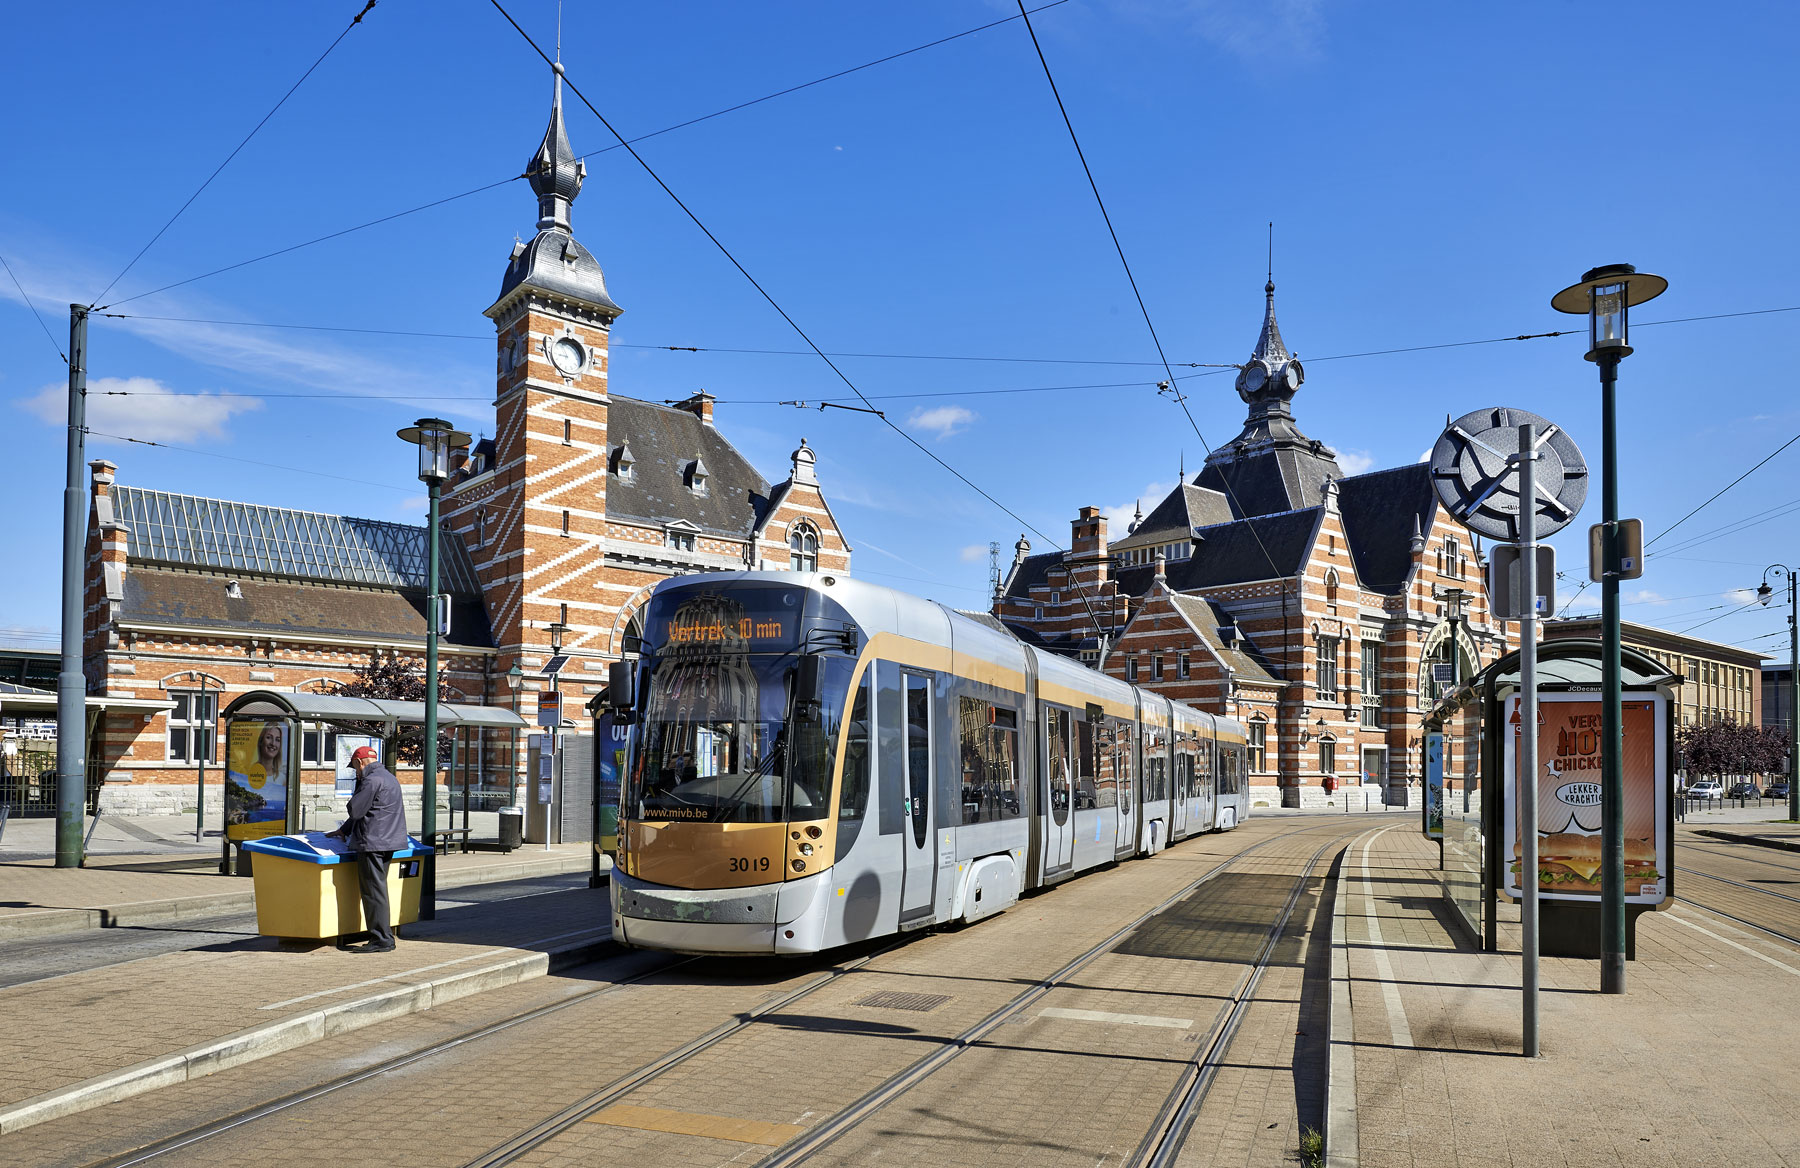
364 754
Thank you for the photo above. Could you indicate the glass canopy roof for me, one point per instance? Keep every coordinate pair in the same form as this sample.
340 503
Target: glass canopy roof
214 533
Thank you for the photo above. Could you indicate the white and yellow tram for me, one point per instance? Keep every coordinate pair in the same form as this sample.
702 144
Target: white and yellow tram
817 760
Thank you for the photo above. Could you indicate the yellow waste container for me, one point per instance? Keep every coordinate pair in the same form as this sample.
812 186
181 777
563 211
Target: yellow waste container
306 886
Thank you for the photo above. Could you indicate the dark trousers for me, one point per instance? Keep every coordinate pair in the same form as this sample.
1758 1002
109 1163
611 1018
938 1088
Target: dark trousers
372 871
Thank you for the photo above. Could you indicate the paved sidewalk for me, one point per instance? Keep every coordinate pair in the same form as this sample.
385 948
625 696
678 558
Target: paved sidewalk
85 1039
1684 1069
37 898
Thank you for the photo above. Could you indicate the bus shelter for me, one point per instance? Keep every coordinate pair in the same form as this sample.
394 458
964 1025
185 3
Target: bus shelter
263 728
1470 774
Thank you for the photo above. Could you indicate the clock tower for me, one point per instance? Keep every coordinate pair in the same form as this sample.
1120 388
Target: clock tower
534 517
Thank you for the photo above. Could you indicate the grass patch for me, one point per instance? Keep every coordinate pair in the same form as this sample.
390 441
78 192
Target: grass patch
1312 1147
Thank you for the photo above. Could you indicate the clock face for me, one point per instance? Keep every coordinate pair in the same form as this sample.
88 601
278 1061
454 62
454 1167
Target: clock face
1255 375
1292 374
568 355
1477 483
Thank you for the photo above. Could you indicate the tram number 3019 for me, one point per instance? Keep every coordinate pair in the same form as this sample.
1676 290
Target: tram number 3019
751 864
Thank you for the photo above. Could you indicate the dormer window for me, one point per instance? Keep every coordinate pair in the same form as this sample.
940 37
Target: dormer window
803 548
681 539
697 476
622 461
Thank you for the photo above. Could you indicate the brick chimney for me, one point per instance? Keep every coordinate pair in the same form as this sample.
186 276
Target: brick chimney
700 405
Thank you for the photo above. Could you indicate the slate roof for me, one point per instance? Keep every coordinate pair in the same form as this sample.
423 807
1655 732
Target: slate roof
1245 658
193 532
555 262
1281 478
1181 511
290 608
664 443
1230 553
1031 572
1379 510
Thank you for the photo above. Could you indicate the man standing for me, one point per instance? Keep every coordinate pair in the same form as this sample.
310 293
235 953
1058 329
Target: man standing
376 829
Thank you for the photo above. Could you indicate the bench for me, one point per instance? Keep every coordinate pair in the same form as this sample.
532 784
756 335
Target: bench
440 839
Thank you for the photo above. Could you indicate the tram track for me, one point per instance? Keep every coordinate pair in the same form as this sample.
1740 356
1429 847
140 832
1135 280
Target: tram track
169 1148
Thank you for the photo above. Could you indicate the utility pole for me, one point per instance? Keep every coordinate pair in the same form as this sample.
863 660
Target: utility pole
71 683
1528 735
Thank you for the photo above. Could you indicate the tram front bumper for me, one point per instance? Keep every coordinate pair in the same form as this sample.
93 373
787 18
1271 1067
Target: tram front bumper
788 917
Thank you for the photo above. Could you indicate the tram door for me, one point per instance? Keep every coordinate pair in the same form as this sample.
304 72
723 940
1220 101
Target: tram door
1059 777
1124 751
916 882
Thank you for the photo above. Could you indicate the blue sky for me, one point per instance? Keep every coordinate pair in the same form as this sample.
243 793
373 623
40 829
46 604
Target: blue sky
1434 172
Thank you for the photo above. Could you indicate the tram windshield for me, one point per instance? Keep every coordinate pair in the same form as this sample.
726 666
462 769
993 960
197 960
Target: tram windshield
724 740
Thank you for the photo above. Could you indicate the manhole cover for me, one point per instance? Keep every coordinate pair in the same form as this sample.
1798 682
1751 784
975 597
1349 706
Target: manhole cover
896 1000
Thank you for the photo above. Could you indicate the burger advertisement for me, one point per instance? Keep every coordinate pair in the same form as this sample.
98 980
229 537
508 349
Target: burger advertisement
1568 795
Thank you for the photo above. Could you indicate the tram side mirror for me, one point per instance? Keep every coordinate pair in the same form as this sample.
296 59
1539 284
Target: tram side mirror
621 685
807 680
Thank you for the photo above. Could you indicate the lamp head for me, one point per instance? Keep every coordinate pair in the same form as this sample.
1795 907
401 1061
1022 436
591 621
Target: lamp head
435 439
1764 593
1606 294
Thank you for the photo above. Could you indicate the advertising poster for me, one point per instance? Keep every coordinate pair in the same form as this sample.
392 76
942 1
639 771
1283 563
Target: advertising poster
1434 785
347 745
1568 786
611 740
256 779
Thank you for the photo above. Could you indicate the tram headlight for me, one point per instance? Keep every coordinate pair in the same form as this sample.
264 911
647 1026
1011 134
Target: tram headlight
799 865
814 832
806 849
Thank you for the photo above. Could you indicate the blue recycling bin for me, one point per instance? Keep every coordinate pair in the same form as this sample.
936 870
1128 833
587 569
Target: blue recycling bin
306 885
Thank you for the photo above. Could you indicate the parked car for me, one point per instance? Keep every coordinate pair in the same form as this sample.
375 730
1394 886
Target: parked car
1706 789
1776 791
1744 790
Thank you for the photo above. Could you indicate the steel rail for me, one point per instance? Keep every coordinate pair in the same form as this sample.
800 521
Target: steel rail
1748 924
830 1130
1738 884
1162 1144
206 1131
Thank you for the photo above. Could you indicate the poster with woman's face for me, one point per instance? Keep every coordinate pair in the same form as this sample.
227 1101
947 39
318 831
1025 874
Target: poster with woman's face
256 770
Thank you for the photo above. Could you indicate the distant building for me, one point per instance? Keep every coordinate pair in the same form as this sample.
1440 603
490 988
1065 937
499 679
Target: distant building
581 502
1722 683
1274 588
1777 695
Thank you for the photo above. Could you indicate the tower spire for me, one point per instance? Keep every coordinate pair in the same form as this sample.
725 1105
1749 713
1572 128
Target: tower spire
556 174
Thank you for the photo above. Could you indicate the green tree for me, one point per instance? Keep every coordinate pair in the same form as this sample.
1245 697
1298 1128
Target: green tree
400 679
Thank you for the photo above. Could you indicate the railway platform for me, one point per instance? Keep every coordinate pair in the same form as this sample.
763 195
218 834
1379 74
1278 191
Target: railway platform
1686 1068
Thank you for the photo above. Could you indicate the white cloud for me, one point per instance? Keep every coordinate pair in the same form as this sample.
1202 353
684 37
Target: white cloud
414 504
1426 456
973 553
942 420
1741 595
1355 462
1118 518
1646 596
145 408
1252 29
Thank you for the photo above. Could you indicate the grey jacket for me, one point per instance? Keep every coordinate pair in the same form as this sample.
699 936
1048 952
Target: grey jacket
377 821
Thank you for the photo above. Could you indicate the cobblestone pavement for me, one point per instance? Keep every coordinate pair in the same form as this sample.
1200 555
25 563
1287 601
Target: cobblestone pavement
1680 1070
1107 1045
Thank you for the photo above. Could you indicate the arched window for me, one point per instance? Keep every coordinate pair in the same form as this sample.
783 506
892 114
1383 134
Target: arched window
803 548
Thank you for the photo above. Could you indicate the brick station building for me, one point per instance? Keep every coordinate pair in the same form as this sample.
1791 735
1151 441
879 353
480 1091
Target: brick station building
577 507
1275 589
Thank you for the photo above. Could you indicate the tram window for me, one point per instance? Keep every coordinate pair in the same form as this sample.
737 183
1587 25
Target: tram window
890 748
989 754
1203 767
1124 737
853 797
1087 759
918 755
1156 764
1060 759
1231 767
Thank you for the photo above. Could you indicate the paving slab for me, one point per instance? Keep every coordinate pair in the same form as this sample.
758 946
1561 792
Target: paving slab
37 898
1427 1062
101 1035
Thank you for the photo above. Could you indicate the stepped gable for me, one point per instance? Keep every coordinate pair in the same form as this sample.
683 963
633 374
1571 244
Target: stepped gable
1381 510
665 442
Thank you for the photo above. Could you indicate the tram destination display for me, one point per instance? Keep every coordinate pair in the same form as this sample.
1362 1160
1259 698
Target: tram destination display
1568 782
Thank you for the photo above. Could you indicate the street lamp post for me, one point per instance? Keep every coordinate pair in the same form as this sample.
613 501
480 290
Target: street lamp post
211 723
435 439
1764 593
557 629
1607 294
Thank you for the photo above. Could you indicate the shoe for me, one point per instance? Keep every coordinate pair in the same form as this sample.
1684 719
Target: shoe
371 947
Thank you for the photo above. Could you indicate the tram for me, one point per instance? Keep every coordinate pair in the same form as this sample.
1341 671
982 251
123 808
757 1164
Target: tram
816 760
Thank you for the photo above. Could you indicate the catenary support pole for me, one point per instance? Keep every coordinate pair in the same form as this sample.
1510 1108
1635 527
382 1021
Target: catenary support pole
1612 737
1793 697
1528 735
428 806
71 683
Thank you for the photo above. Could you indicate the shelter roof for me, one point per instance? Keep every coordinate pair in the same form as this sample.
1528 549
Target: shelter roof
317 707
